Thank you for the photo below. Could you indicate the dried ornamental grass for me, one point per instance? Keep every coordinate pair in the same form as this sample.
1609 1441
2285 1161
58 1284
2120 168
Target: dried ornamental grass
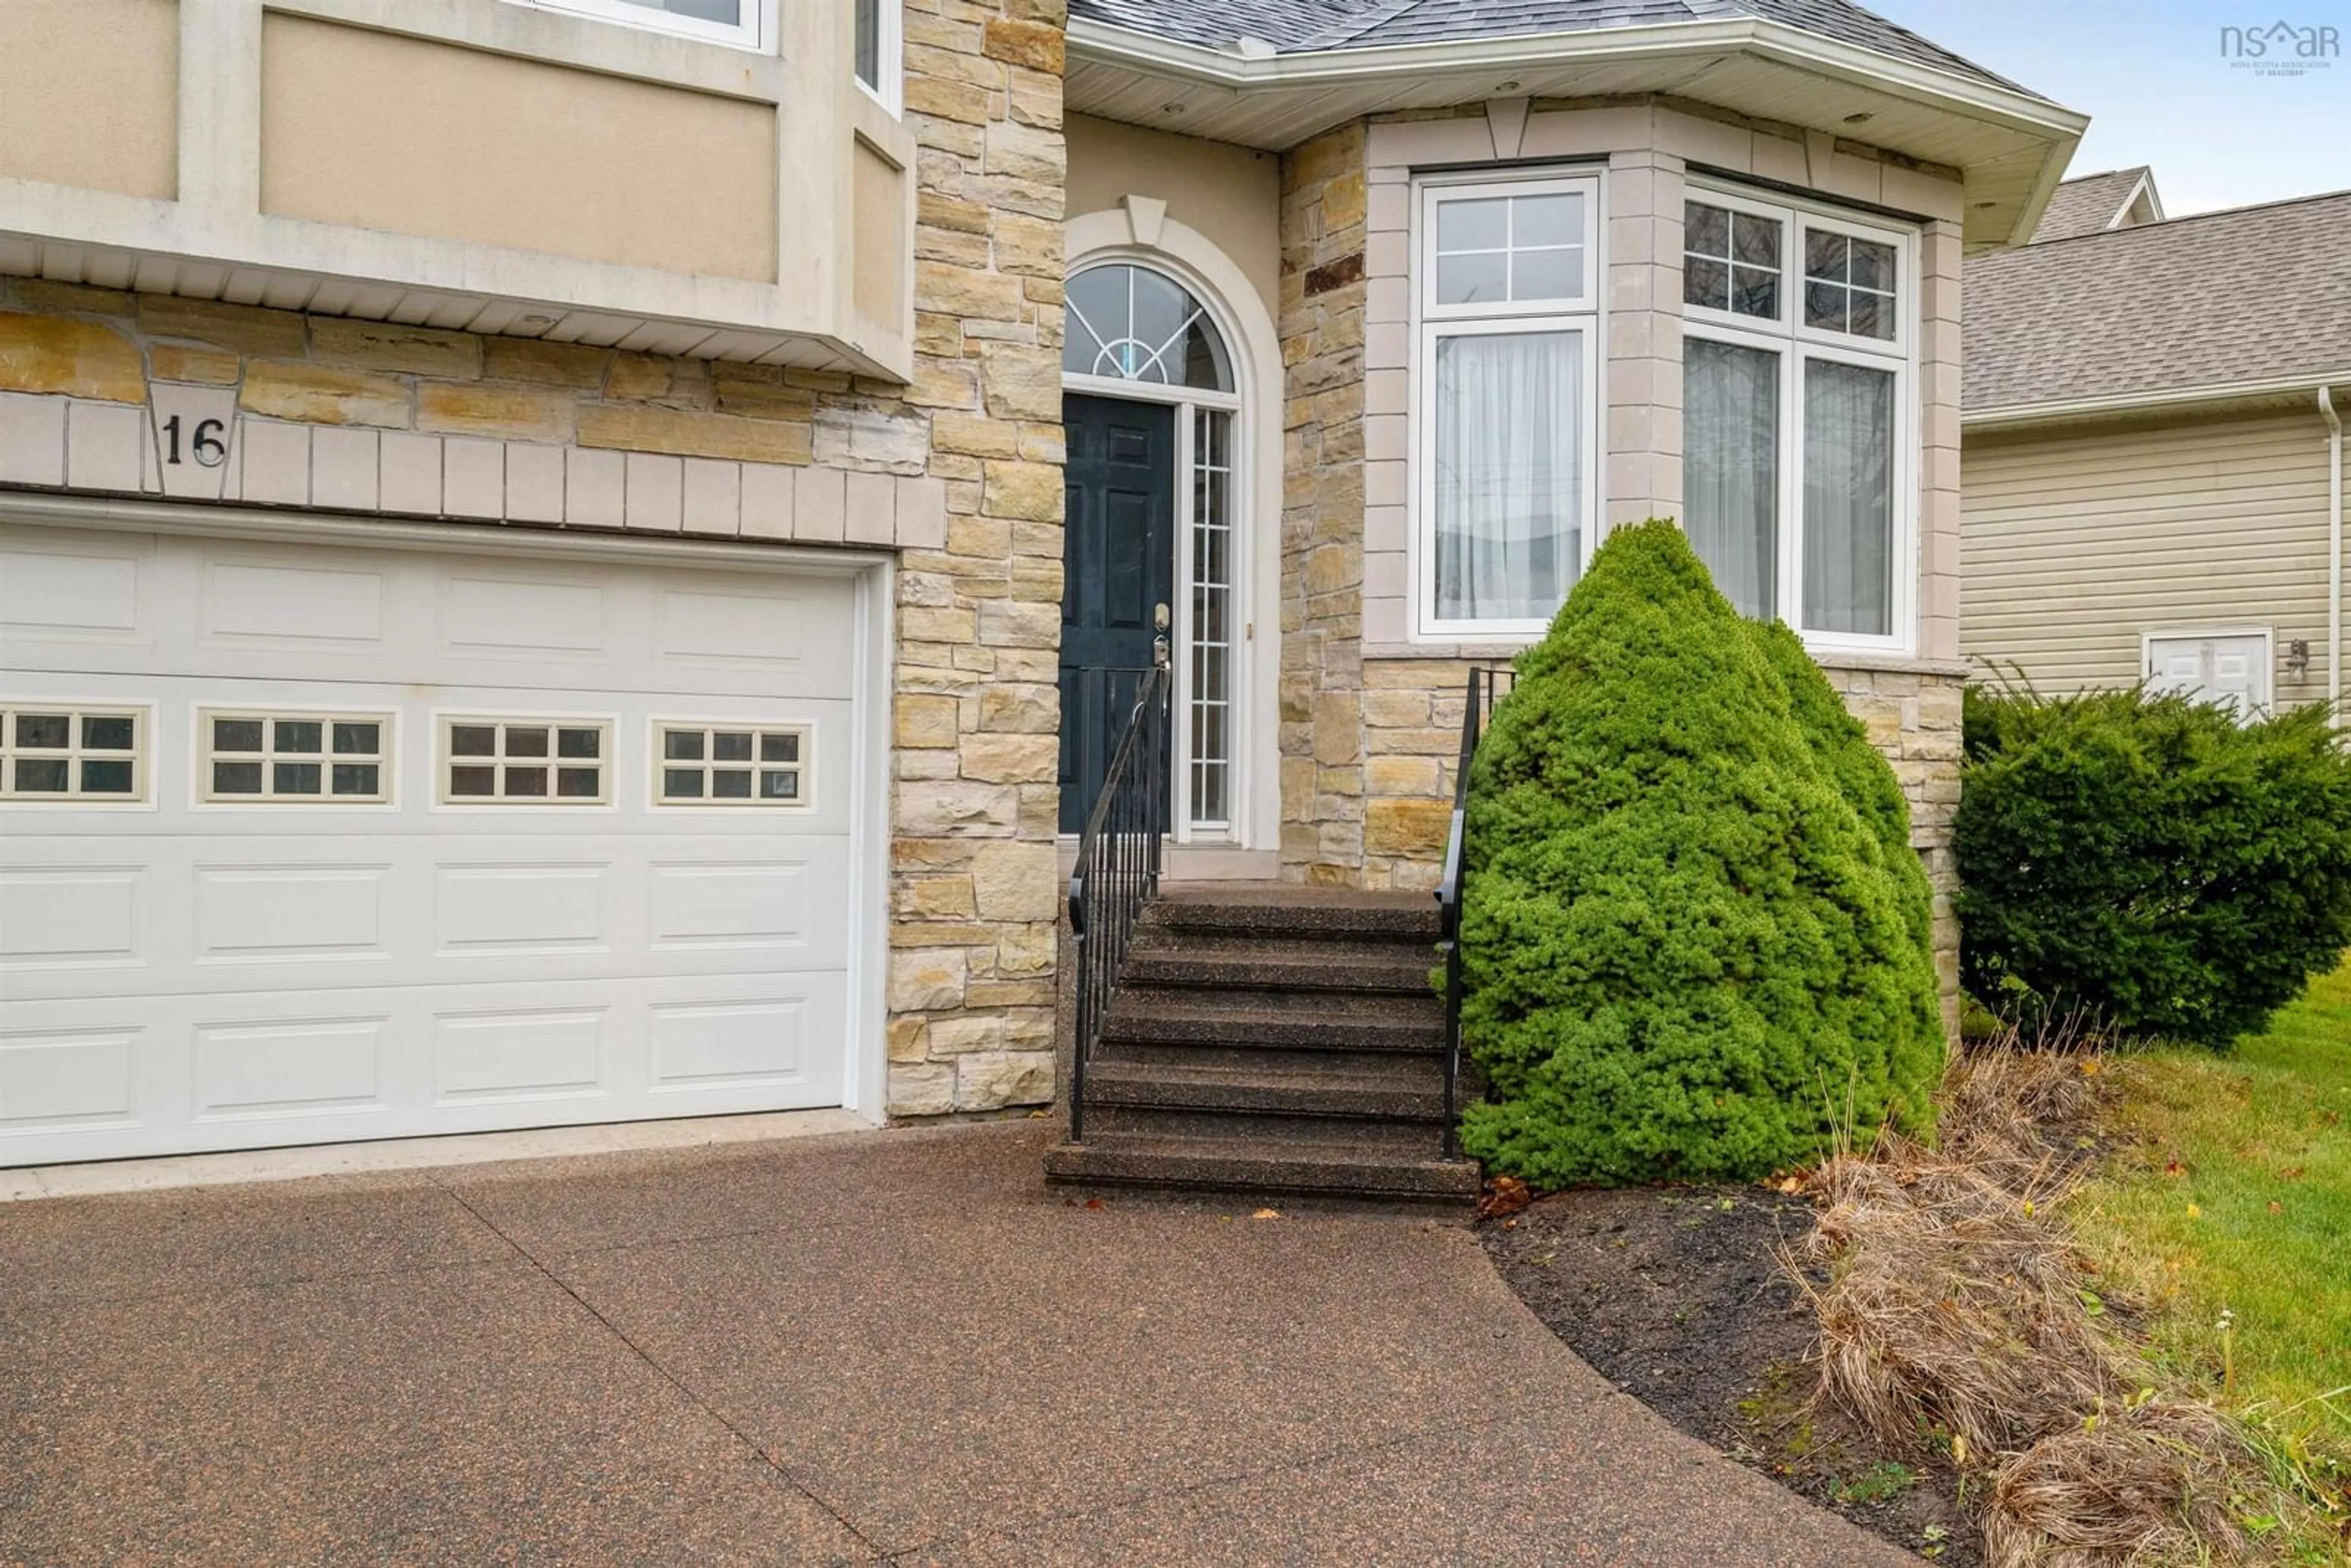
2148 1486
1952 1305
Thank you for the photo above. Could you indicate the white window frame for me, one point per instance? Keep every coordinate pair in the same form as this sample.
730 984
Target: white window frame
1432 322
889 56
2267 704
445 758
1787 336
141 756
657 761
755 32
384 758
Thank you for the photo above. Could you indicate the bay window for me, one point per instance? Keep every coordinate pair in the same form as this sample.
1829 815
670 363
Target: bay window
1797 392
1508 358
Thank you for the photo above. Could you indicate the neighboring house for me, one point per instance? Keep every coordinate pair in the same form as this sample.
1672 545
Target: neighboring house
535 579
2153 463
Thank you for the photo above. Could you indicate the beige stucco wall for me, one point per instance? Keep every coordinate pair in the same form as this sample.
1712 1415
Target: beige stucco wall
1230 194
2078 541
380 131
879 205
90 94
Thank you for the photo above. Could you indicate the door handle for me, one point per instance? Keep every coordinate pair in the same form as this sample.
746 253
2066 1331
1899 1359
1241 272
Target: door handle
1160 655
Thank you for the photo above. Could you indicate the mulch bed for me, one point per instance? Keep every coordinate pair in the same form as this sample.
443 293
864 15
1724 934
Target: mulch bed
1676 1294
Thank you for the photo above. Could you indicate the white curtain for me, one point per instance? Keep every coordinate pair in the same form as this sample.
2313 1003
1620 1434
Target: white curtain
1848 498
1509 473
1731 469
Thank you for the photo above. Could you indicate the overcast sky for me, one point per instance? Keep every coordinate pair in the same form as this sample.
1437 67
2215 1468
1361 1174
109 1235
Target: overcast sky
2151 76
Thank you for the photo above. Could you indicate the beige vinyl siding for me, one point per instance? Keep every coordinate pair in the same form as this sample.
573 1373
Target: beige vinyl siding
2075 545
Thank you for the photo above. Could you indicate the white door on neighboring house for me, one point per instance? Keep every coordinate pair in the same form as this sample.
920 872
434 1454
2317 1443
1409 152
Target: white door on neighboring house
2229 667
303 842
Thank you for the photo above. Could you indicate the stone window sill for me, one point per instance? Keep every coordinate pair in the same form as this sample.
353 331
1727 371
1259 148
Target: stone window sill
1835 659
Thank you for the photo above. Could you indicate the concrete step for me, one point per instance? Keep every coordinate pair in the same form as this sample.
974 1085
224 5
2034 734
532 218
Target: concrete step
1117 1125
1411 1090
1269 1165
1263 909
1278 966
1175 1017
1313 945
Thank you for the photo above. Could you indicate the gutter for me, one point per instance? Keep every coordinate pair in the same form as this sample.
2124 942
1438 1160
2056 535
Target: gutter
2334 553
1250 67
2059 411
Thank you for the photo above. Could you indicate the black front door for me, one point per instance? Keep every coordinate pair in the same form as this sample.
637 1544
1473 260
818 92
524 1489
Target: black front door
1118 560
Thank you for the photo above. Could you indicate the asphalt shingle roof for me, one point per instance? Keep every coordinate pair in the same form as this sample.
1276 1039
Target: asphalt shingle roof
2087 205
2253 294
1294 27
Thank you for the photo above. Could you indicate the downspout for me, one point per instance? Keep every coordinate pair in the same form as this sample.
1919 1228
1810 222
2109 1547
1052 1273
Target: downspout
2334 553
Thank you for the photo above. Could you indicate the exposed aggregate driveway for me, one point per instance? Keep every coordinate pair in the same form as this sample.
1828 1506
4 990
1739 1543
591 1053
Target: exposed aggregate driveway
894 1345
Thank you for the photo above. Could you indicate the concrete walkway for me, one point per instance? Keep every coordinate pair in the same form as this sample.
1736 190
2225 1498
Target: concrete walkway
887 1346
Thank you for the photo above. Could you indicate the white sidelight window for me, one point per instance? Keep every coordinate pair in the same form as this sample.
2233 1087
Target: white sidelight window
1507 401
1799 430
747 23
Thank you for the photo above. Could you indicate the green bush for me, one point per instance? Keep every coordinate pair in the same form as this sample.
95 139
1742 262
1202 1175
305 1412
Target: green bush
1687 954
2150 861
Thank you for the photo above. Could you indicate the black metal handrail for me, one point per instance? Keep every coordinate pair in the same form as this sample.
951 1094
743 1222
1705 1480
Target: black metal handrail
1117 871
1487 685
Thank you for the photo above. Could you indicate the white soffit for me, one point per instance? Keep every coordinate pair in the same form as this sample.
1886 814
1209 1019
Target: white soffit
2012 146
285 288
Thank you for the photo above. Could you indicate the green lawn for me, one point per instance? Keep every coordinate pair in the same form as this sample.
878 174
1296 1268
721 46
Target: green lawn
2238 1199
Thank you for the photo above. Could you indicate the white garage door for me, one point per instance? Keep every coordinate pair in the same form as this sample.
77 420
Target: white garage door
307 842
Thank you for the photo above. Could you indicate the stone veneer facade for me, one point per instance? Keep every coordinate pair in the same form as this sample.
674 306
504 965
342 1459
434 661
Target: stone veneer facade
1371 719
959 472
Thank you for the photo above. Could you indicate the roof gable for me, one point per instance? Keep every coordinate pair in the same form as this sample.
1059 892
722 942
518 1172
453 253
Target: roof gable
2096 202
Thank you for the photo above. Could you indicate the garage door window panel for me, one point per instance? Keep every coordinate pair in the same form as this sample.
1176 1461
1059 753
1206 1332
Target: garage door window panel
525 761
60 753
713 764
293 759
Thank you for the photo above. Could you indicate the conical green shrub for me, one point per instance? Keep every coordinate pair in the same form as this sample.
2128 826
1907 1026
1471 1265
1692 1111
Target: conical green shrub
1687 953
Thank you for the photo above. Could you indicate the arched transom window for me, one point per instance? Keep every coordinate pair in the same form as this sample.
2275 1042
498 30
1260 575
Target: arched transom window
1133 324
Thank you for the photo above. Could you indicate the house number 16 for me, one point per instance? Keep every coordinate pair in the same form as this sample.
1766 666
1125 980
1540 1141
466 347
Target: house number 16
204 442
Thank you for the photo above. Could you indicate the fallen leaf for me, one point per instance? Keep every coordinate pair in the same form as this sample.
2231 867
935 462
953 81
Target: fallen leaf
1504 1194
1266 1214
2276 1207
2194 1212
2174 1169
1095 1203
1790 1183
